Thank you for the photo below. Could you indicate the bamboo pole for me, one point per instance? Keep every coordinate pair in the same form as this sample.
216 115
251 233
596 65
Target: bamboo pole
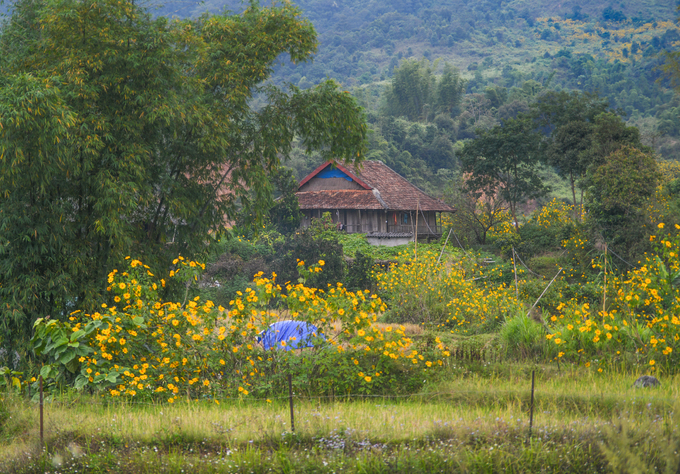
546 289
290 399
444 247
514 266
42 438
604 290
415 234
531 409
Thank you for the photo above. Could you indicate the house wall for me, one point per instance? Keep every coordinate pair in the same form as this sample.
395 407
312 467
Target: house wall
365 221
353 220
321 184
405 221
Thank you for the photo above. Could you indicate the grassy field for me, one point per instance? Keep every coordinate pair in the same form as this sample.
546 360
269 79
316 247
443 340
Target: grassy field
475 419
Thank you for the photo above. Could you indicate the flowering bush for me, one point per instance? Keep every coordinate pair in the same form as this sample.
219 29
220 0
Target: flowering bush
638 319
143 346
463 294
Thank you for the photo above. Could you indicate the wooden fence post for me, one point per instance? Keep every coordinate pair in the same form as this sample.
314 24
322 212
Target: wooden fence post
42 439
531 406
290 398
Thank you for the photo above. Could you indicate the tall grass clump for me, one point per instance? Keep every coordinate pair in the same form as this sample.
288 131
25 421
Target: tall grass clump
522 336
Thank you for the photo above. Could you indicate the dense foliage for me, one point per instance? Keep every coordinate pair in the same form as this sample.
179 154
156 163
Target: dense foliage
121 133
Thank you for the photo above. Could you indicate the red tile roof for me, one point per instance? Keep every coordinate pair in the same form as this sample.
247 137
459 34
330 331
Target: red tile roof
339 199
388 191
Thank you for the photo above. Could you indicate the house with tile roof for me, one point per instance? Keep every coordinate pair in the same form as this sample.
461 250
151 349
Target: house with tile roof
372 199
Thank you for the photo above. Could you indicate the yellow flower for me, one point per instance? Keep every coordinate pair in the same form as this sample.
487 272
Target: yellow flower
121 286
652 362
367 378
660 226
322 263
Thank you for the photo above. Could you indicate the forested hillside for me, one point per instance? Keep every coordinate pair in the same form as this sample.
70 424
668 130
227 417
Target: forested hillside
497 56
493 57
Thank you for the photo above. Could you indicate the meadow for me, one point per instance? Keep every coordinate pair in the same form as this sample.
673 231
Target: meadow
474 419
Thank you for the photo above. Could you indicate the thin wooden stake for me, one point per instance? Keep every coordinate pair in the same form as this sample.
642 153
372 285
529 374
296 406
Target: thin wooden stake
42 439
514 265
546 289
290 398
531 406
415 235
444 247
604 292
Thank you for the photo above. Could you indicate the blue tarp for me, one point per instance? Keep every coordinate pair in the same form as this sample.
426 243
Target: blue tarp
296 335
333 173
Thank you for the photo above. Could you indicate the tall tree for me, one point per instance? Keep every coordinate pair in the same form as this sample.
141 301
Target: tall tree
566 151
120 133
412 89
505 161
285 214
476 215
554 109
568 118
618 191
610 133
450 89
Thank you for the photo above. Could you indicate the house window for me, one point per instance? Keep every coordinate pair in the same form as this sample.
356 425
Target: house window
405 220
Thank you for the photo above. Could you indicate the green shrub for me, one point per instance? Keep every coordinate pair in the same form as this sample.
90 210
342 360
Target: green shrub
360 273
523 336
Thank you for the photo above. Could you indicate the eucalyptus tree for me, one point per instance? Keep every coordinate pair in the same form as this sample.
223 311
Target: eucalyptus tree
504 161
568 119
617 197
121 134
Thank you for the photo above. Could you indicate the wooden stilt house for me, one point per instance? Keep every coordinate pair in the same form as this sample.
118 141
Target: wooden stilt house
371 199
